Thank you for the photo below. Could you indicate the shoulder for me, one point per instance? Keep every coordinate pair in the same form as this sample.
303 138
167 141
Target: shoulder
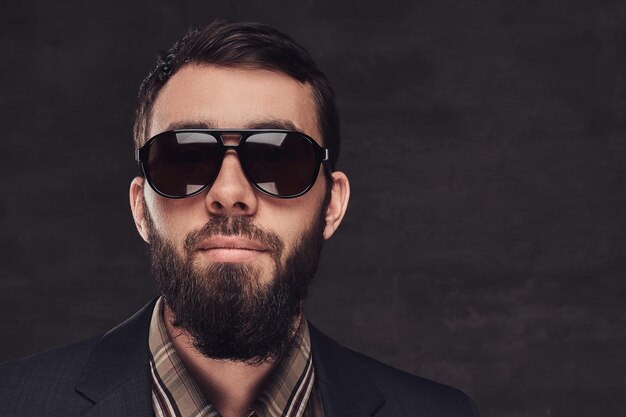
377 386
61 361
67 381
45 380
416 393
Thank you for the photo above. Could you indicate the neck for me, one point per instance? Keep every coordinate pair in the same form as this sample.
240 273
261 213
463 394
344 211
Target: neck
231 386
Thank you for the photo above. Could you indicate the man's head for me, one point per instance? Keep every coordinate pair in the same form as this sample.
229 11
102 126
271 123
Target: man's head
233 263
245 46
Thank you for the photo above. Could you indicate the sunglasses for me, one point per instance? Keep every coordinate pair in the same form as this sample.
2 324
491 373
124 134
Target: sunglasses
279 163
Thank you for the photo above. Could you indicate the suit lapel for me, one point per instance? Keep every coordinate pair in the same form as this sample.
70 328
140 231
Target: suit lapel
347 390
117 375
133 397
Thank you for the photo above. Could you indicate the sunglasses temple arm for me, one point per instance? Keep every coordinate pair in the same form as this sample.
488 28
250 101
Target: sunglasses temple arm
139 166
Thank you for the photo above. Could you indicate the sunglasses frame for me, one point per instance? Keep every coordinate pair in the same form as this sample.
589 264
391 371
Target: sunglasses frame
141 156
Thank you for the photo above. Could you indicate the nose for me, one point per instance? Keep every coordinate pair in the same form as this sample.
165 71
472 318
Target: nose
231 194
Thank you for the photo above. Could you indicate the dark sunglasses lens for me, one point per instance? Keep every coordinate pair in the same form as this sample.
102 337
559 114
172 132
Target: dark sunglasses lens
181 163
282 164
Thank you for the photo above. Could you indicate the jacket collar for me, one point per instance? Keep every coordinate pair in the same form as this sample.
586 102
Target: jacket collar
118 373
346 387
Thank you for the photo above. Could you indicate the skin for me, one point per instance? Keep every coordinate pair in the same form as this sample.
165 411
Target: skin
233 98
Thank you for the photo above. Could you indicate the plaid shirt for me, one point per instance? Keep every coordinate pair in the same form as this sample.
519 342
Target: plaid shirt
290 392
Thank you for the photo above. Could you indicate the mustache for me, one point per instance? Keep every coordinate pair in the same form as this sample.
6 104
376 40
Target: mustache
233 226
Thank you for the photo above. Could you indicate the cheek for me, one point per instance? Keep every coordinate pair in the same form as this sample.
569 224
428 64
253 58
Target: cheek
290 219
173 219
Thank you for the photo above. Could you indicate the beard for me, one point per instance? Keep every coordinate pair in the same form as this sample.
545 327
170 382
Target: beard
229 311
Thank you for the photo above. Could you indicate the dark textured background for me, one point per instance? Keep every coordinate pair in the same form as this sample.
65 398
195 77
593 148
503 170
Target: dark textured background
484 246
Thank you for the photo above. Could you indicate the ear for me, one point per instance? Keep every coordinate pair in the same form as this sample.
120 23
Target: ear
338 204
137 207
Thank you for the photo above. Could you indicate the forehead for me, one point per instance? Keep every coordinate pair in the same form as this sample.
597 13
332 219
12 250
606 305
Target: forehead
237 98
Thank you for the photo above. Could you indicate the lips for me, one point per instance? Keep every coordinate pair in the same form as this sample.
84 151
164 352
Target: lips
230 249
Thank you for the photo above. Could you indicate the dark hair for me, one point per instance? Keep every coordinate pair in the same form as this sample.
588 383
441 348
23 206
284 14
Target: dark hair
243 45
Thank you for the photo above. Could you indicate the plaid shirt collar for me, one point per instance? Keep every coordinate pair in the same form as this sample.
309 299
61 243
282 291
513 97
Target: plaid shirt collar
175 392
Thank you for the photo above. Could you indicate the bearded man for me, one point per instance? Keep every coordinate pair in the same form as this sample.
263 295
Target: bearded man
237 137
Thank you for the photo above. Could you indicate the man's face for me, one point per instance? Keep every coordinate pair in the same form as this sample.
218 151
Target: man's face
234 98
286 233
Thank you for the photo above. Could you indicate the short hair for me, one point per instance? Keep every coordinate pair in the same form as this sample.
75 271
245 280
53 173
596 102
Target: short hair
242 45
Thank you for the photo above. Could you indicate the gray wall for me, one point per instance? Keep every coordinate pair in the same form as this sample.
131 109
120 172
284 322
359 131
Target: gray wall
484 244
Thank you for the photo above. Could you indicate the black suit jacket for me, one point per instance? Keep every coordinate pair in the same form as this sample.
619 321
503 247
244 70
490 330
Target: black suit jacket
108 376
